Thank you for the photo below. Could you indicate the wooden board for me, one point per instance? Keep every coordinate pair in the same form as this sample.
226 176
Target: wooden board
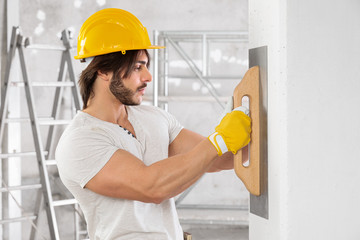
250 174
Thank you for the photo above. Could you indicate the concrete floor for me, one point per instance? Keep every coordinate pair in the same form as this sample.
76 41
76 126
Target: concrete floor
220 233
205 224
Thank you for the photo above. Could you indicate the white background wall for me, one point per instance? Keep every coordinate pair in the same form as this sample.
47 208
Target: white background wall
314 130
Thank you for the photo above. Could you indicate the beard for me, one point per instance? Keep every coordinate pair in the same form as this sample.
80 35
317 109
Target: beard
123 94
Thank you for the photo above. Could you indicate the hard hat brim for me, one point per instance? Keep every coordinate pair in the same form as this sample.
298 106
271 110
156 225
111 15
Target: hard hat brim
93 54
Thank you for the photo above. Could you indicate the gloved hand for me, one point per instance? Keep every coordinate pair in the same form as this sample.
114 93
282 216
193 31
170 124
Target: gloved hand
233 132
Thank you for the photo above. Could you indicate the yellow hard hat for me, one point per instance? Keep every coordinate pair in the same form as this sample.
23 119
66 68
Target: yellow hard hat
112 30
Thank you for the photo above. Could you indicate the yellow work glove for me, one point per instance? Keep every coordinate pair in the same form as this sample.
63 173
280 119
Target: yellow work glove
233 132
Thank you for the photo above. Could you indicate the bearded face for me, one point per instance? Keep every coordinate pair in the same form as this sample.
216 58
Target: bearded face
124 94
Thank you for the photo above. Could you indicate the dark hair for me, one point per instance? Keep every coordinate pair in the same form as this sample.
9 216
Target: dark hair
115 62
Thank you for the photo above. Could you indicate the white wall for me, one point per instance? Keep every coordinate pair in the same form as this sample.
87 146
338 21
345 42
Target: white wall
314 130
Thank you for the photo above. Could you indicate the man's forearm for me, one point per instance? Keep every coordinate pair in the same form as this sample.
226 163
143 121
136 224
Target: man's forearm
177 173
223 162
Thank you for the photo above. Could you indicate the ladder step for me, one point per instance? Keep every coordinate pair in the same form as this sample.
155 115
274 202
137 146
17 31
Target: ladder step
54 122
43 84
64 202
45 47
23 187
27 154
42 121
50 162
19 154
18 219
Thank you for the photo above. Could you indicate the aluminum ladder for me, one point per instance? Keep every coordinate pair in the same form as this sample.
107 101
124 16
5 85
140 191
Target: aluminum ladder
45 197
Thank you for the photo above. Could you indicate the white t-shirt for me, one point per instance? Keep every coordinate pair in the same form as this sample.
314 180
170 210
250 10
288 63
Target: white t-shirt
86 146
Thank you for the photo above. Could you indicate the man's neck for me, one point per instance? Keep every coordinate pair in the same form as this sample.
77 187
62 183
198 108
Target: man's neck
115 113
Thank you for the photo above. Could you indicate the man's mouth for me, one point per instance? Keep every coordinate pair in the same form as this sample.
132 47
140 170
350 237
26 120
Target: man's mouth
142 88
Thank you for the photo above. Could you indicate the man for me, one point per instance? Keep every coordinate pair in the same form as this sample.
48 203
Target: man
125 162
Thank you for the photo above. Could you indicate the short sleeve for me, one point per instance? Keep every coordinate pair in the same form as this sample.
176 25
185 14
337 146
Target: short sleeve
174 125
82 153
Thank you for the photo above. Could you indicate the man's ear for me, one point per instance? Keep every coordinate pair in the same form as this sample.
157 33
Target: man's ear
106 76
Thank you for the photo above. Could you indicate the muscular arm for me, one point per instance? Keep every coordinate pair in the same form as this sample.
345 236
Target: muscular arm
125 176
187 139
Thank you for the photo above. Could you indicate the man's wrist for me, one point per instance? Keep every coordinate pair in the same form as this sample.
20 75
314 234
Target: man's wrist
218 142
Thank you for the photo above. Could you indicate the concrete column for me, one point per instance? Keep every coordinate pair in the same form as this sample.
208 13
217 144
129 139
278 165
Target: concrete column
313 118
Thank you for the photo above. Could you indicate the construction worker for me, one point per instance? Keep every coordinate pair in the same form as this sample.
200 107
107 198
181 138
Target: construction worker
124 162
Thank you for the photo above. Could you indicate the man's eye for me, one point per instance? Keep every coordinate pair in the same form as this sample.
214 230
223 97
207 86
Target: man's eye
138 67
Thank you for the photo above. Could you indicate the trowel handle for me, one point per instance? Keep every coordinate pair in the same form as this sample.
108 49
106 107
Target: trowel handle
250 175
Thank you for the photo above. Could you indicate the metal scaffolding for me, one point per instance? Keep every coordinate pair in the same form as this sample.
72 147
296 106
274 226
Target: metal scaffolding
172 40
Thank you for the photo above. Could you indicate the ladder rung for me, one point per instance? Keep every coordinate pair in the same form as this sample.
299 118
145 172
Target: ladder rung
50 162
23 187
54 122
64 202
45 47
83 232
42 121
44 84
19 154
18 219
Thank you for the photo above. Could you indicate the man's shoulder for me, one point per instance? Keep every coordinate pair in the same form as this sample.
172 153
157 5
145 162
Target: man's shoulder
84 124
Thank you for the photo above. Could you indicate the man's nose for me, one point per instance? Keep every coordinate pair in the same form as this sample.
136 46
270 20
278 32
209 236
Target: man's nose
147 77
